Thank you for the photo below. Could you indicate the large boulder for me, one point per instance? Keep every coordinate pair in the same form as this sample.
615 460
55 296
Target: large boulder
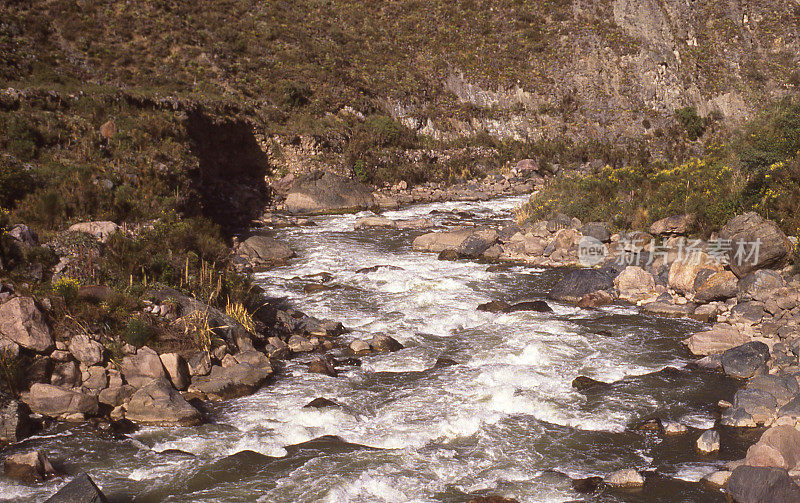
677 225
717 340
23 323
635 284
469 241
177 369
263 251
86 350
142 367
778 447
575 284
81 489
28 466
745 360
597 230
325 192
683 272
15 421
759 285
756 243
754 484
224 383
159 403
54 401
100 230
721 285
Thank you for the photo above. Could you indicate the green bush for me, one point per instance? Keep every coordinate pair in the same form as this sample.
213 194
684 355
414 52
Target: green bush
15 181
138 332
773 136
694 125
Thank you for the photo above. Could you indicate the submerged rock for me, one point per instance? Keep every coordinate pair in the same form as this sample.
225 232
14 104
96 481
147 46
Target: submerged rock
535 305
494 306
582 383
321 402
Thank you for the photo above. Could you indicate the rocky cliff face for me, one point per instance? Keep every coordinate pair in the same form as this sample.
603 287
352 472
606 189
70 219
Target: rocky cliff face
619 69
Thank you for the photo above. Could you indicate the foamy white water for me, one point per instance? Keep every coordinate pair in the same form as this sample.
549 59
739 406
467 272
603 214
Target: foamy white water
504 419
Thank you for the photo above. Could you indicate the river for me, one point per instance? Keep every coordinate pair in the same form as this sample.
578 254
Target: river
504 419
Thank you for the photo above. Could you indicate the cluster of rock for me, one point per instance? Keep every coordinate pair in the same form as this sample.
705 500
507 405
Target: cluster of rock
77 378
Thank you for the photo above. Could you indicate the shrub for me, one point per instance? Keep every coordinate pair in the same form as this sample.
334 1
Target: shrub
66 288
15 181
138 332
694 125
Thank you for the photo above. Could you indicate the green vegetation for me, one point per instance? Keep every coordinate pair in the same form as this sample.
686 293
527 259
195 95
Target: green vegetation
759 171
694 125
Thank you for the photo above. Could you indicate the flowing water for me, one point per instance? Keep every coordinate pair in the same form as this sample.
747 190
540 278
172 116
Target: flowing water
503 419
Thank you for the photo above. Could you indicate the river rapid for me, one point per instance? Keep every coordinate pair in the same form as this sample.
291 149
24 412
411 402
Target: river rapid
504 419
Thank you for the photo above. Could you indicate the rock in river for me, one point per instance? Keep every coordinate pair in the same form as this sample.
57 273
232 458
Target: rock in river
575 284
159 403
230 382
81 489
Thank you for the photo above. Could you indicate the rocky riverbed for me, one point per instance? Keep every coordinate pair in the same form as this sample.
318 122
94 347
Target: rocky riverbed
490 372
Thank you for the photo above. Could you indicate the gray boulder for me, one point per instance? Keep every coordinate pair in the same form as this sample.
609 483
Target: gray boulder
54 401
774 249
23 323
159 403
85 350
143 367
263 251
224 383
743 361
15 422
575 284
177 369
721 285
597 230
81 489
325 192
752 484
759 285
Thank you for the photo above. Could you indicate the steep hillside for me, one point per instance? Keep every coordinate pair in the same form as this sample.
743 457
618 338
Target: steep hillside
324 83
